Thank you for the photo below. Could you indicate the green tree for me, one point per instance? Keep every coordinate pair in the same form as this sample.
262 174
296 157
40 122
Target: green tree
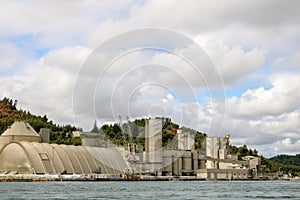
243 151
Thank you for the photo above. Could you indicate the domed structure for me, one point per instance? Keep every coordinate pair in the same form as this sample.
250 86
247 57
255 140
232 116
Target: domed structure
20 131
43 158
22 152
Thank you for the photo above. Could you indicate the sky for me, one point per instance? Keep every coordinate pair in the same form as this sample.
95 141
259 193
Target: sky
221 67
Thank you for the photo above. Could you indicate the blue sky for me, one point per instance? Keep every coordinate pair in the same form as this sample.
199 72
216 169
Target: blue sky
50 64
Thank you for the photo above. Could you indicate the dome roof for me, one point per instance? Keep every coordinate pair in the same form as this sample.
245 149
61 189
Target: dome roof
42 158
20 128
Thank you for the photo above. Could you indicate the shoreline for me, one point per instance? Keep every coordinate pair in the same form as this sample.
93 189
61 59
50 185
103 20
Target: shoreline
112 177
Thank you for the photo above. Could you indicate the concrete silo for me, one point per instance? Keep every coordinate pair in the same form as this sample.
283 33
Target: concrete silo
153 145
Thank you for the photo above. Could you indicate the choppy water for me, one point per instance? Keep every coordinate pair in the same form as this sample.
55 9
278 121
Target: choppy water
153 190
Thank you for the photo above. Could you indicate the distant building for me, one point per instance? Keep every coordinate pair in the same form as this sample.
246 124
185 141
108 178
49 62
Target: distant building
216 163
254 164
24 151
76 134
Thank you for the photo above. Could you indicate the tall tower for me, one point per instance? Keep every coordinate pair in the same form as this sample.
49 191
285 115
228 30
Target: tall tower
185 140
153 145
212 151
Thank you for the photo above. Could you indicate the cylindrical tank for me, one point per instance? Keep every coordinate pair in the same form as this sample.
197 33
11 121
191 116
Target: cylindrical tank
187 163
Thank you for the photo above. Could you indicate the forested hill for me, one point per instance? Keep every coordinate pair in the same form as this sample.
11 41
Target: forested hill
134 132
287 159
9 114
286 164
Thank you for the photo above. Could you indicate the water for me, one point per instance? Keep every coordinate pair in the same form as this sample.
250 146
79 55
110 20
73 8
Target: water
152 190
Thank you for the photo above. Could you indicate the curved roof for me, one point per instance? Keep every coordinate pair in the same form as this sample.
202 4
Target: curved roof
20 128
112 157
43 158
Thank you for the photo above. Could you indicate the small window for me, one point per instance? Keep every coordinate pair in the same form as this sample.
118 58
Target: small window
44 156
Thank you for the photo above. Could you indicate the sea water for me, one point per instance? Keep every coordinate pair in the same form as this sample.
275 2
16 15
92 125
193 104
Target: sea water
152 190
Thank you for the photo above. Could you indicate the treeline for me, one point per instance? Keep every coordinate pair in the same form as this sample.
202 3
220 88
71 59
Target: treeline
134 132
242 151
287 159
129 132
287 164
283 164
59 134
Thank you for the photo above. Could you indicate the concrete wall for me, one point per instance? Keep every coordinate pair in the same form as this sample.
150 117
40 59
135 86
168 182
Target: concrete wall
212 147
222 153
153 144
216 147
222 174
254 163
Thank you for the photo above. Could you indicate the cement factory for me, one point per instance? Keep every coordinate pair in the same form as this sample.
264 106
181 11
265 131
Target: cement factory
25 152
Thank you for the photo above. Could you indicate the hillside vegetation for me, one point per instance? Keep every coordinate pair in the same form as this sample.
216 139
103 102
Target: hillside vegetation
287 164
134 132
287 159
59 134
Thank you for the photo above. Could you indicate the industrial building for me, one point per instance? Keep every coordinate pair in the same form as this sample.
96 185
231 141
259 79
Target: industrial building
24 151
216 163
211 162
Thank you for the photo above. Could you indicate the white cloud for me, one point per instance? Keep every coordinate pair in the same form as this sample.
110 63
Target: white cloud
295 60
286 146
282 97
263 118
241 37
254 24
13 57
212 14
47 86
232 62
67 58
57 24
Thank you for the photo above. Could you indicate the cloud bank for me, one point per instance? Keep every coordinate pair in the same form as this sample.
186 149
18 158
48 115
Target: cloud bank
253 46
